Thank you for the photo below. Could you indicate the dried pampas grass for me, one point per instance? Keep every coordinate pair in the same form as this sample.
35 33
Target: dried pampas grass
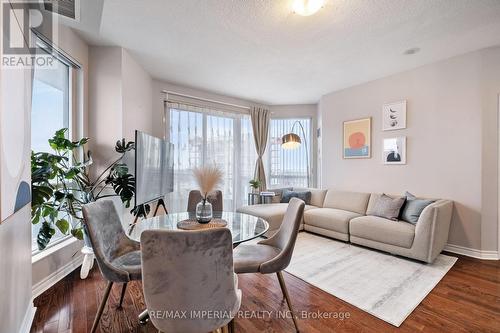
208 178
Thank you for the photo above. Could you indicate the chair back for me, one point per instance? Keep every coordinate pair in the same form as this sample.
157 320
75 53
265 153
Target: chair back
284 239
108 239
215 198
189 272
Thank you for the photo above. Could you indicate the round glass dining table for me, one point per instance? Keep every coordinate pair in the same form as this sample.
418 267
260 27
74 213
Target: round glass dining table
243 227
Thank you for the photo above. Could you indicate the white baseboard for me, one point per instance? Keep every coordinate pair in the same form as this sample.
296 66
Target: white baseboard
56 276
28 319
474 253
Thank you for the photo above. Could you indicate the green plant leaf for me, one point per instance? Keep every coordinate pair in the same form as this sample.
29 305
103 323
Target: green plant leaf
44 235
63 226
141 210
122 147
120 169
124 186
77 233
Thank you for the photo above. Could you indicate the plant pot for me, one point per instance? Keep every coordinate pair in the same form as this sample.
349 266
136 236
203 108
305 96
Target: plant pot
204 211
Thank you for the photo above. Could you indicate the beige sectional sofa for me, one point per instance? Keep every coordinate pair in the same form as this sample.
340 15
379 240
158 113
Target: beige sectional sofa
342 215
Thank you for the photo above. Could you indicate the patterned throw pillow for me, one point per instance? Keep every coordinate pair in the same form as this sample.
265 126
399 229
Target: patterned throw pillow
287 195
387 207
413 208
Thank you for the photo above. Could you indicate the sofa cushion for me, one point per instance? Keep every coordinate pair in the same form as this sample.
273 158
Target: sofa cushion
413 207
330 219
317 195
272 213
386 207
302 195
352 201
383 230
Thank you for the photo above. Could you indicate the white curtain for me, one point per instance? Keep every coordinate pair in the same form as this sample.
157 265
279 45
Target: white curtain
204 135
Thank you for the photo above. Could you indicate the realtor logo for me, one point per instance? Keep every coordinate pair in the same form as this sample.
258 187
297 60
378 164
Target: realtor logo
20 48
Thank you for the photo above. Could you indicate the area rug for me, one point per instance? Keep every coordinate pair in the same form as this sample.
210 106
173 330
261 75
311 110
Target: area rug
386 286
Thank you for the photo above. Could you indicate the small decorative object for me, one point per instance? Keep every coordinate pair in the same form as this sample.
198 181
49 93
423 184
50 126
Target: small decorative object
204 211
357 138
208 178
395 150
255 185
394 116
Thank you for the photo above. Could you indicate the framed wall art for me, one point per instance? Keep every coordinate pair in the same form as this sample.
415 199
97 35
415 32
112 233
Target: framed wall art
357 138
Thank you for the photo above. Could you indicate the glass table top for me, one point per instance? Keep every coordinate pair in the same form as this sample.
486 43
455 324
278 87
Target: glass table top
243 227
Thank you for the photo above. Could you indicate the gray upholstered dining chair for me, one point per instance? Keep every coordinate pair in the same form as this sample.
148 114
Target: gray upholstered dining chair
215 198
189 272
118 257
273 255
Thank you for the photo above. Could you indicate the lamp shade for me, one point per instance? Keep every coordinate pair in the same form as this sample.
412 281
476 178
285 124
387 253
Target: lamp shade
290 141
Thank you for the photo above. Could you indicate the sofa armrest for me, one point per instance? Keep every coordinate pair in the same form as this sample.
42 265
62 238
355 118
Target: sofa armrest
433 226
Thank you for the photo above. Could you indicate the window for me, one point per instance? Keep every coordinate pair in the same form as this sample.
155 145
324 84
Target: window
288 167
201 136
50 111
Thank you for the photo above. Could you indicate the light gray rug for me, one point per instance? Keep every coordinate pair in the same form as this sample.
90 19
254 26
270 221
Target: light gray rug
386 286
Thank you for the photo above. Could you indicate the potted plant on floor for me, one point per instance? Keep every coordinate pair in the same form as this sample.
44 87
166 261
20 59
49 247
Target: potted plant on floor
61 184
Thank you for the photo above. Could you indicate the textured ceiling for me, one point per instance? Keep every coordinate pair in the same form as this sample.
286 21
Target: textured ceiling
259 50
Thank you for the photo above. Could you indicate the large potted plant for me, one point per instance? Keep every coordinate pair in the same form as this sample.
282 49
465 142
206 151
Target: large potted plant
61 185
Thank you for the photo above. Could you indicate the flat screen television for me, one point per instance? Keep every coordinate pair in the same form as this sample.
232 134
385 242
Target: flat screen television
154 168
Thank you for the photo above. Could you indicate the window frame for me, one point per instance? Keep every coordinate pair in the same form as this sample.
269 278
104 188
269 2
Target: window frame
75 104
236 116
310 148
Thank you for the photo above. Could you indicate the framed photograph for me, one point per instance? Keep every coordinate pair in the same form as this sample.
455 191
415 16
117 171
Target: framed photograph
357 138
394 151
394 116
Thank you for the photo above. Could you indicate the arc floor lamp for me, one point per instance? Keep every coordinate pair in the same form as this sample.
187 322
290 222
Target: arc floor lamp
293 141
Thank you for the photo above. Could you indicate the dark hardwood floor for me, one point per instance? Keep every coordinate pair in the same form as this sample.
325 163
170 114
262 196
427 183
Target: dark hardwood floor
466 300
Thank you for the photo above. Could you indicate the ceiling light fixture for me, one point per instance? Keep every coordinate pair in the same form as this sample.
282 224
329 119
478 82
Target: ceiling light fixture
307 7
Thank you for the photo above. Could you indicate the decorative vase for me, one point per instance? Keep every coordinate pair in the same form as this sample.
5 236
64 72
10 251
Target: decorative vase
204 212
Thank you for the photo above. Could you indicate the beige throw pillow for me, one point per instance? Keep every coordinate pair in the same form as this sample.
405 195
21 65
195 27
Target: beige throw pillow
387 207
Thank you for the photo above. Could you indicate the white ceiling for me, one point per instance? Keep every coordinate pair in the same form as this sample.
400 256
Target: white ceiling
259 50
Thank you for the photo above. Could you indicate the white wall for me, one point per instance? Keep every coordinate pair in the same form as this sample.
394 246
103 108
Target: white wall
105 103
137 87
120 100
452 140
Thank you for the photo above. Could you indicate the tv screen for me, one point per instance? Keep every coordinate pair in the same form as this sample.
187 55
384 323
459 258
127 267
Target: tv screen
154 168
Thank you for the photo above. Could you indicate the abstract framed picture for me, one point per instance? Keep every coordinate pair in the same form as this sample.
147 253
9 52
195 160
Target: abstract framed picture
357 138
394 150
394 116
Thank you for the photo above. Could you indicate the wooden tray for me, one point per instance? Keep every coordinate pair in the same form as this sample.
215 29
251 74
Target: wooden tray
194 225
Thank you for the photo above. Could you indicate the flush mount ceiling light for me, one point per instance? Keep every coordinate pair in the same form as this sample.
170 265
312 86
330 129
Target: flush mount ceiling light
307 7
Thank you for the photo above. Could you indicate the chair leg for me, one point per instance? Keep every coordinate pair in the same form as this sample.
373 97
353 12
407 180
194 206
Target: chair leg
124 287
101 306
287 297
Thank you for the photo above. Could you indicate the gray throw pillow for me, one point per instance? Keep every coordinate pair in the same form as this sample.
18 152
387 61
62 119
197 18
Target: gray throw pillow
287 195
387 207
413 208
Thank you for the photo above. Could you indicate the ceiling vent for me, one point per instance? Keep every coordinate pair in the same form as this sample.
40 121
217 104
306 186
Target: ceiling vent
66 8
